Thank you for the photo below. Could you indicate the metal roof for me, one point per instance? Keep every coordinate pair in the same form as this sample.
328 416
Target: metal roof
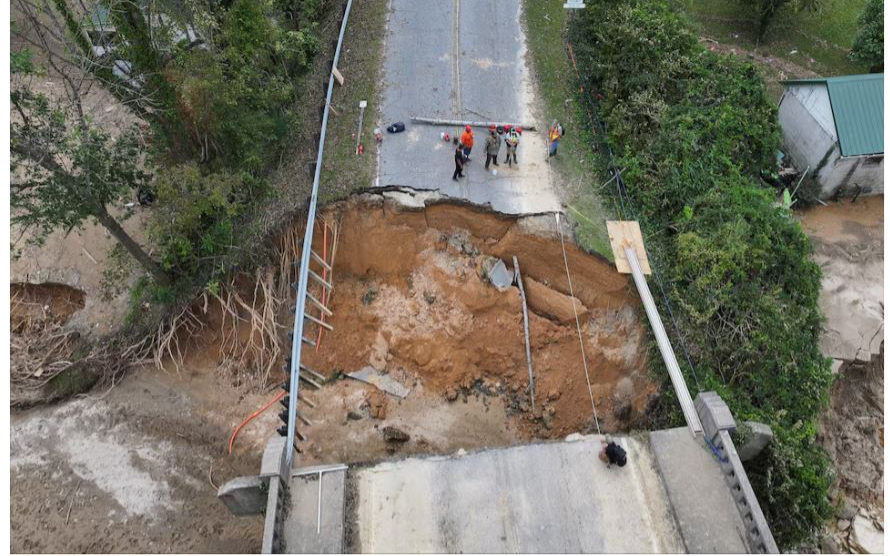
857 103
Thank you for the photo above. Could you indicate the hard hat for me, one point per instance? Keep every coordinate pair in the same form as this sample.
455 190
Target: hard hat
492 127
508 127
469 128
519 130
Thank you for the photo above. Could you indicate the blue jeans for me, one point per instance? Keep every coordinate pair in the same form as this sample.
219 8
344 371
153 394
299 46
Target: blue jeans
553 146
467 151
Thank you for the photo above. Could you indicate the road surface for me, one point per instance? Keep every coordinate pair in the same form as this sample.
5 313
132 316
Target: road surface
462 60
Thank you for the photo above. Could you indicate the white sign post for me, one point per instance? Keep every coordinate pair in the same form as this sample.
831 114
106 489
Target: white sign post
574 4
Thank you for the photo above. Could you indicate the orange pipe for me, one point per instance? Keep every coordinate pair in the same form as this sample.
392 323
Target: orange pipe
251 418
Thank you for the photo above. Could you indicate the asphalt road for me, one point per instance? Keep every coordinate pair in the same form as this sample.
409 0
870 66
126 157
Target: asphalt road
464 60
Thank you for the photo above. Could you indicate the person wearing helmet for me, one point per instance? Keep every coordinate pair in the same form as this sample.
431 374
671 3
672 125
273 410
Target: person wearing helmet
492 147
553 136
512 142
466 139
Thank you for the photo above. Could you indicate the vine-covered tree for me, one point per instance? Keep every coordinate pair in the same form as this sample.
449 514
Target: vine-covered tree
767 10
65 169
868 47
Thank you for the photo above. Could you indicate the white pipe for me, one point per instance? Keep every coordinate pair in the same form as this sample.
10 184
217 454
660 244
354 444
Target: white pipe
664 345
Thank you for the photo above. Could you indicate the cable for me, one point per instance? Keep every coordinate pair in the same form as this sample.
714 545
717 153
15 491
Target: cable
252 416
624 199
572 293
577 323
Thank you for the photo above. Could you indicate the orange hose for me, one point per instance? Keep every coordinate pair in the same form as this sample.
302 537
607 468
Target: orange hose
253 415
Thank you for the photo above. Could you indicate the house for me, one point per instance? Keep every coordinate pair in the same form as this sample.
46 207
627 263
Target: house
835 127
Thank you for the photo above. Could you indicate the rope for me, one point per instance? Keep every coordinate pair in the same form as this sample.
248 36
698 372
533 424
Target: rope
565 259
577 324
251 418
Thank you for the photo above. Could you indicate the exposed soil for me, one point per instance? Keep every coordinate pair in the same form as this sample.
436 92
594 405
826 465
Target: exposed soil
853 432
414 303
38 305
129 471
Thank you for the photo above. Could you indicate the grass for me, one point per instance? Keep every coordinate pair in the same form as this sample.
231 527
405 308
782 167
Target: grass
574 168
344 172
818 41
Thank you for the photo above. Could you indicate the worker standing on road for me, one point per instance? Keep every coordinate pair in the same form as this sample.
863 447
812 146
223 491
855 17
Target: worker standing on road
466 140
612 453
458 162
492 147
555 134
512 142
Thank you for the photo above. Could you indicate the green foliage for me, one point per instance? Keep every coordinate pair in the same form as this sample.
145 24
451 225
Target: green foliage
194 217
237 96
766 10
694 131
67 169
868 47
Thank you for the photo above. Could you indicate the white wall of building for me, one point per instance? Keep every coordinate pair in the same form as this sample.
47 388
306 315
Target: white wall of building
810 139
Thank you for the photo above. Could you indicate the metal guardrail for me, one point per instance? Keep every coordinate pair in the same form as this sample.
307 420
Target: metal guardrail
760 538
303 279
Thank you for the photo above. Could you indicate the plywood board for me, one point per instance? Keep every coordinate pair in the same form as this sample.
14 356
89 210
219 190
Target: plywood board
338 76
627 232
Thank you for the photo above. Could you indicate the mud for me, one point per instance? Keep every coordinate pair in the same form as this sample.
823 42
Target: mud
853 432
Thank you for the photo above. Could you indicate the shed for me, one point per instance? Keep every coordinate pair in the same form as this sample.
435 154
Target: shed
835 126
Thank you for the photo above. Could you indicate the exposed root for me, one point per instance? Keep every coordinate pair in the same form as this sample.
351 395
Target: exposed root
42 348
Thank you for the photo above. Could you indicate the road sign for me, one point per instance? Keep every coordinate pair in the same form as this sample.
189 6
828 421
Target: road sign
574 4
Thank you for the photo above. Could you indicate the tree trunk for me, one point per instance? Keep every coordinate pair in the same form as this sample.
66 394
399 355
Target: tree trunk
132 247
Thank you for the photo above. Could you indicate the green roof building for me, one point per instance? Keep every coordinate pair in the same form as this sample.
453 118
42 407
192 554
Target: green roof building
835 127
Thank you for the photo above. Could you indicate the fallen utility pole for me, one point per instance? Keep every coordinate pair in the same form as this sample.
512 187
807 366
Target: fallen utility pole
435 121
528 350
626 239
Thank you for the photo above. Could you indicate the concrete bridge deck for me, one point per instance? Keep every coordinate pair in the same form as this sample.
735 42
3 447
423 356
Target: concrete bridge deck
549 497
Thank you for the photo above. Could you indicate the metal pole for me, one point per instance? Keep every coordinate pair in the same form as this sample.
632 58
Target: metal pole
664 345
303 281
528 351
436 121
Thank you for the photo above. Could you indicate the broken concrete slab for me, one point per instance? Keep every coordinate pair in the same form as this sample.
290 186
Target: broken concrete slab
760 435
706 513
497 273
552 304
384 382
244 495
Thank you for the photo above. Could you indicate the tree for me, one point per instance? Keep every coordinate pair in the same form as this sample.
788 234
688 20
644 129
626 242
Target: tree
868 47
766 11
66 170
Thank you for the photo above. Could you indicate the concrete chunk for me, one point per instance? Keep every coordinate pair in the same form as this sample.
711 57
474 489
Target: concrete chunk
244 495
499 276
761 435
372 376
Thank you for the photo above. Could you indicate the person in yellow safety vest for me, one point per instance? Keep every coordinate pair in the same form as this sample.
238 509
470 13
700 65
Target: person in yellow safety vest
555 134
512 142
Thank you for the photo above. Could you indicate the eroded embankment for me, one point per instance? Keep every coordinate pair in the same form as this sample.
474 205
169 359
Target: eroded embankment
411 299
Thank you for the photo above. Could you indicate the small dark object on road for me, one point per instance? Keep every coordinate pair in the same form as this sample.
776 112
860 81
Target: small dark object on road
397 127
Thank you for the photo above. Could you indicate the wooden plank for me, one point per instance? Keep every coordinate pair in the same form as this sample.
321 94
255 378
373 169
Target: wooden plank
528 351
338 76
627 232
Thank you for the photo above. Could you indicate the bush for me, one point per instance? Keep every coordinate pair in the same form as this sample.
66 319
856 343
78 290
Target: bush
195 214
694 131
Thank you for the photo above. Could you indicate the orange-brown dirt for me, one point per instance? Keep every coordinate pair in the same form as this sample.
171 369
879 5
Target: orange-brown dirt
411 299
414 300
